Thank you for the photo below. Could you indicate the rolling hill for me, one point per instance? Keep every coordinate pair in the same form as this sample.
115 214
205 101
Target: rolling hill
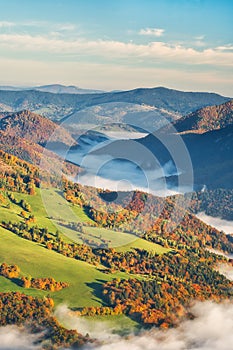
208 155
207 135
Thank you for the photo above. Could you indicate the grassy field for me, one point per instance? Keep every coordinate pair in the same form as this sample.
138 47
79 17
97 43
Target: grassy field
114 238
120 241
143 244
11 214
37 206
51 209
85 280
46 204
50 203
119 324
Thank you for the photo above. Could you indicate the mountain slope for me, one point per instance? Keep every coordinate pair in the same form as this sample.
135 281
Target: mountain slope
206 119
138 116
34 128
24 134
35 154
94 276
210 154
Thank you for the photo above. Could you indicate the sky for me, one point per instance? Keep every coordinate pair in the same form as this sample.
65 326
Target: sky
118 44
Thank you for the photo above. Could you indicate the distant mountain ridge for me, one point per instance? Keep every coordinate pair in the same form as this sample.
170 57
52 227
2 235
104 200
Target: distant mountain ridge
59 106
53 88
62 89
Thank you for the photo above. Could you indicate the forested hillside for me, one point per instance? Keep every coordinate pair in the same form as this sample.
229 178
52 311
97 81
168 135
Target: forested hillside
207 119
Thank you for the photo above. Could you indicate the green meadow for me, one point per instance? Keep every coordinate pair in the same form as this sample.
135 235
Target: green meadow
50 209
85 280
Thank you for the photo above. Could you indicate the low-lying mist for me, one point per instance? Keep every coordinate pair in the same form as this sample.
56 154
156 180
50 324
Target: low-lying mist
122 172
121 175
218 223
211 329
18 338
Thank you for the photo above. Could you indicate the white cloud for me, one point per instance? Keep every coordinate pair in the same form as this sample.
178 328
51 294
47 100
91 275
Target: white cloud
199 41
53 26
66 27
152 52
152 32
211 329
200 37
226 270
225 48
6 24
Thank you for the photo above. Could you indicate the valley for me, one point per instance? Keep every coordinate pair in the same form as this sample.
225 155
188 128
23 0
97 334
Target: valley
116 175
111 226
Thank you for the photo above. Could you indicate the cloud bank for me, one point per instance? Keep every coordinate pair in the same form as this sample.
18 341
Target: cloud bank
110 49
212 329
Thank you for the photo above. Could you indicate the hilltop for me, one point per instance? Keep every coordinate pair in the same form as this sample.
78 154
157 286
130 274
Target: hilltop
209 154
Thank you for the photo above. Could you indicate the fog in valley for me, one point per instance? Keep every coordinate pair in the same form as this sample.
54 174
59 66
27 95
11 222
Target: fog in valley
125 172
16 338
212 329
220 224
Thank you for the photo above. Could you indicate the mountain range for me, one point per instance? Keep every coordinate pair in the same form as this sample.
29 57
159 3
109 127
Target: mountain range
53 88
207 133
142 105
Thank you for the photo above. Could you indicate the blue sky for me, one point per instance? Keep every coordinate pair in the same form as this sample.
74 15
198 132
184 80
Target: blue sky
116 44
